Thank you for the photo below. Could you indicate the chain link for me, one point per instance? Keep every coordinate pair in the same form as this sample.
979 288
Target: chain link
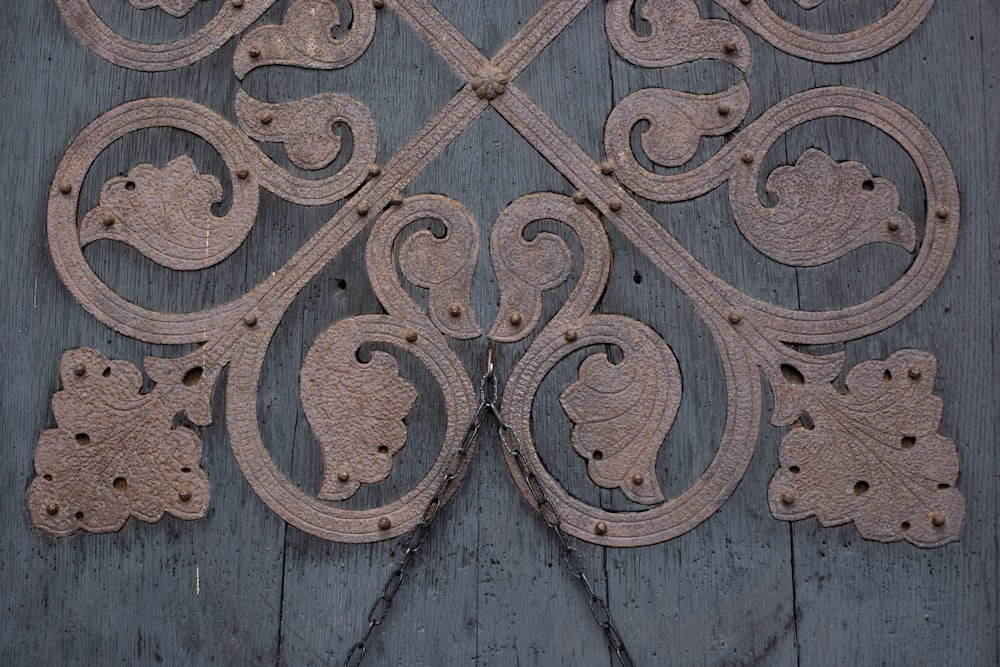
489 404
571 557
383 603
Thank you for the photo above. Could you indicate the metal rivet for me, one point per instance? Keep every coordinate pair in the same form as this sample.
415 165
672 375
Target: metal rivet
729 46
455 309
937 519
184 495
243 173
109 220
254 52
747 158
236 3
410 335
914 372
637 478
745 2
570 335
266 118
250 319
607 167
893 225
65 187
515 318
384 523
374 169
735 316
396 199
615 204
343 476
363 208
52 509
942 212
600 528
79 369
788 497
378 4
579 197
723 108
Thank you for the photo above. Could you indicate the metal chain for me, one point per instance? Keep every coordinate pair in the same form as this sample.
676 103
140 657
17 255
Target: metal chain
383 603
489 403
571 557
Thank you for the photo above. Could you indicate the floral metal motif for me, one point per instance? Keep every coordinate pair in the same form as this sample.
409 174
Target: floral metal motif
870 454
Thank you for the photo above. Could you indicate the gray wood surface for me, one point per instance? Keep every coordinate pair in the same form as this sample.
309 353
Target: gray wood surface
242 588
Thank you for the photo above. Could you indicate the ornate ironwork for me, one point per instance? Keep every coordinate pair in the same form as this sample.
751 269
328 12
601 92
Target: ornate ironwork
871 454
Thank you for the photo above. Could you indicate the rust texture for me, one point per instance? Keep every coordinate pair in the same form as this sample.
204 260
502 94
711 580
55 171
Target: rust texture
868 453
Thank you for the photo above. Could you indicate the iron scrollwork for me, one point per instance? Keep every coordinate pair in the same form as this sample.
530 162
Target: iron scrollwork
871 453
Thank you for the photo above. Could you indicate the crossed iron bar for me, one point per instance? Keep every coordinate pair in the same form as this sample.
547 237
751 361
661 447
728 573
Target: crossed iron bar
751 336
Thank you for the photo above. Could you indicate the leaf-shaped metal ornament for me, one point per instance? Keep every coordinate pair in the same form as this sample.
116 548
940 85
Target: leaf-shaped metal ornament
873 456
622 413
115 452
356 410
166 214
825 209
679 35
305 38
176 8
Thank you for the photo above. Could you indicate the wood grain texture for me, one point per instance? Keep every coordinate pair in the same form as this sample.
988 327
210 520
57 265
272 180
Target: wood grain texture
242 588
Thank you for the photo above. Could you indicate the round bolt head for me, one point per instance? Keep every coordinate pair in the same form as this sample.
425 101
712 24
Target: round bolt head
637 478
411 335
396 199
65 187
184 494
109 220
729 46
79 369
363 208
942 212
607 167
378 4
615 204
374 169
515 318
52 509
455 309
735 316
601 528
893 225
747 158
723 108
571 335
384 523
745 2
937 518
788 497
579 197
243 173
236 3
343 476
266 118
914 372
250 319
254 52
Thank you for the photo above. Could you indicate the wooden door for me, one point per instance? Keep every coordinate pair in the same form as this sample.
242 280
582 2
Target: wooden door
764 349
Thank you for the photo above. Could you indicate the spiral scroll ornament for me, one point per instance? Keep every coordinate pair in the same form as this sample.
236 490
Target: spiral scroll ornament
867 452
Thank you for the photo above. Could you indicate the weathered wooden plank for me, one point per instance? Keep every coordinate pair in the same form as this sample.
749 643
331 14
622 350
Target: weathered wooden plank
166 593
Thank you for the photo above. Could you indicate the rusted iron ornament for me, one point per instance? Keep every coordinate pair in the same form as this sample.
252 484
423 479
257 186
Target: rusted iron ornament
871 454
